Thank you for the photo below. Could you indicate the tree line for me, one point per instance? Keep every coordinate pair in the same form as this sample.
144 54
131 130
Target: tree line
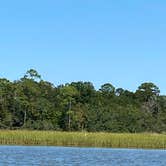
32 103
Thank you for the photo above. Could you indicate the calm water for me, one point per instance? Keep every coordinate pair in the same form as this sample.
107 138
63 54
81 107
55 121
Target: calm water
59 156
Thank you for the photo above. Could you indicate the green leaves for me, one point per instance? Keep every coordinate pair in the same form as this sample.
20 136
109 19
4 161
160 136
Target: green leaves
32 74
147 91
33 103
107 88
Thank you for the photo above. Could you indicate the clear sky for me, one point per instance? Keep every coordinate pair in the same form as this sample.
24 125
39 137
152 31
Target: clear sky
118 41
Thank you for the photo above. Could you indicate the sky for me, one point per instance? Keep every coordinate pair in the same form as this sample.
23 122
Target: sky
101 41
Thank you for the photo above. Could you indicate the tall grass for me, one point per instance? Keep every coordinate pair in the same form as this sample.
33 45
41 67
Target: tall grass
83 139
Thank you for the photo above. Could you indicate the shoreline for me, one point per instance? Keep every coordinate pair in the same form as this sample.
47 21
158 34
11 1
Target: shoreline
83 139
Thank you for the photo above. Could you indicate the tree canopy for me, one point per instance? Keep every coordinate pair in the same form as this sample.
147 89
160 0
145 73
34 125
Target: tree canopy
32 103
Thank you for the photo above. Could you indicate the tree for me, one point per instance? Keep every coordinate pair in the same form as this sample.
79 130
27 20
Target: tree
68 93
119 91
32 74
86 91
107 89
32 103
147 91
148 94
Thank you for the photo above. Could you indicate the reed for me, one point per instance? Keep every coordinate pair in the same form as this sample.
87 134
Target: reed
83 139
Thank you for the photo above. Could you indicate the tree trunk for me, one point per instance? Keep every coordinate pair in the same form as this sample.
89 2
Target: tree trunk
69 118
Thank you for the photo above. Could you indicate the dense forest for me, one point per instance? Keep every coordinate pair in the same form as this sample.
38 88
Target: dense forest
32 103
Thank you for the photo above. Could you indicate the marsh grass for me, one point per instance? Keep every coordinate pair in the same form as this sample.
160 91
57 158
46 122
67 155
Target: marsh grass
83 139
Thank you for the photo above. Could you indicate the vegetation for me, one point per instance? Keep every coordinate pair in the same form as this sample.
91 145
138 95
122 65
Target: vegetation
34 104
83 139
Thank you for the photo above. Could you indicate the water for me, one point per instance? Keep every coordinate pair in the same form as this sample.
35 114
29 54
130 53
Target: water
60 156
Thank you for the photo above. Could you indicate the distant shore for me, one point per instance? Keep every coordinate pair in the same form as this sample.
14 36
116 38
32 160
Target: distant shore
83 139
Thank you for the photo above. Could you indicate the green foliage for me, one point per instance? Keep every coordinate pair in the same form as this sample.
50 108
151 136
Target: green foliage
147 91
32 103
32 74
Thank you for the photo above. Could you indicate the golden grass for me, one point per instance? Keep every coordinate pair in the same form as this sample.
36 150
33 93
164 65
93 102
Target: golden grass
83 139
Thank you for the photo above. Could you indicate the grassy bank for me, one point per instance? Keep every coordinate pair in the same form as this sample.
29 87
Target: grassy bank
110 140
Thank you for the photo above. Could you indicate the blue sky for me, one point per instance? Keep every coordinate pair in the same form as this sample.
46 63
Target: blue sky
121 42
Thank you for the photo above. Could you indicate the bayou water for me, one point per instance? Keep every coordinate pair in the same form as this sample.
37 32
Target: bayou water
70 156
